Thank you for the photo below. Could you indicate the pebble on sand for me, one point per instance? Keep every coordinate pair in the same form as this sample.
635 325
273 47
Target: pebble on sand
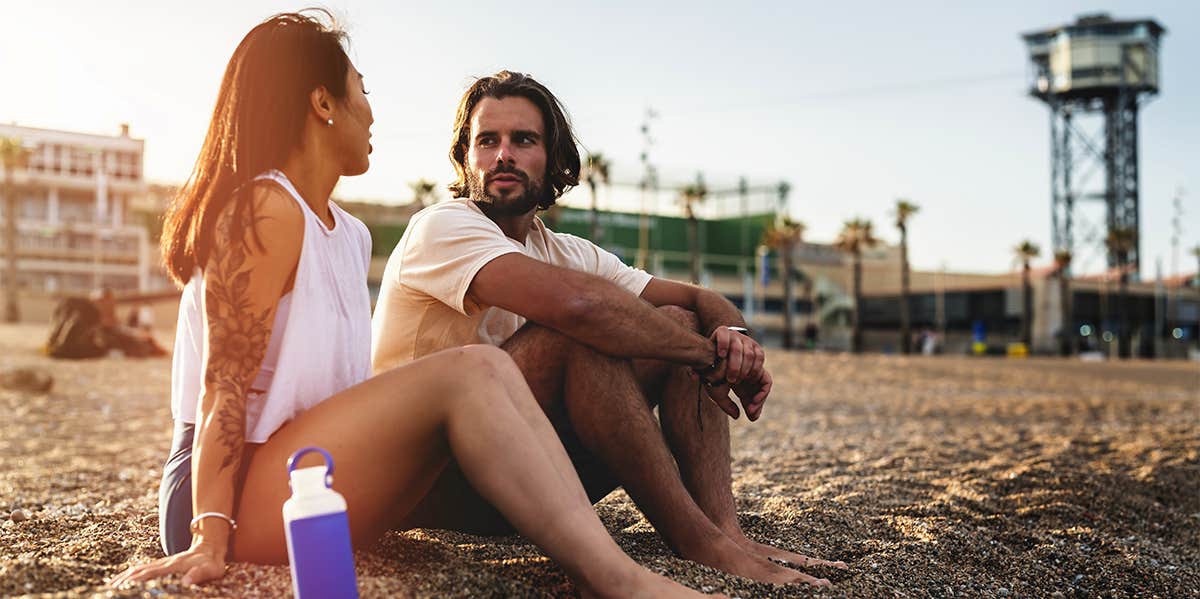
29 380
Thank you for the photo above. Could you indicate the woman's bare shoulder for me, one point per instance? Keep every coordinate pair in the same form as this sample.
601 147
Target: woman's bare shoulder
273 229
275 212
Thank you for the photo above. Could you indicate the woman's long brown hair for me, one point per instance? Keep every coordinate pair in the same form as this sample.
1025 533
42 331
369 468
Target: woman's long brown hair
258 121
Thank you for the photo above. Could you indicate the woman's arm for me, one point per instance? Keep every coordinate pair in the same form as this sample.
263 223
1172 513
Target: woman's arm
243 282
242 286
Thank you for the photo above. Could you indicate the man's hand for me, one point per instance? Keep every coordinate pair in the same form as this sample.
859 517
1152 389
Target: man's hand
739 357
739 367
753 394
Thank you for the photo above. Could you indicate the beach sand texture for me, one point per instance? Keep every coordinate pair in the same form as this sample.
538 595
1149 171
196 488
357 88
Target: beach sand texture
931 477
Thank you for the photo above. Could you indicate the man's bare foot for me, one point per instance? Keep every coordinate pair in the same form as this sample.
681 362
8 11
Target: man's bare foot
781 555
644 584
726 555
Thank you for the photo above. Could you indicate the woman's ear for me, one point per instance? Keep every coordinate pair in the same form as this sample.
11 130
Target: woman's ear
322 104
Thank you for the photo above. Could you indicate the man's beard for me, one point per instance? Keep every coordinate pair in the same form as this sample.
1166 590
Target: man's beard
496 205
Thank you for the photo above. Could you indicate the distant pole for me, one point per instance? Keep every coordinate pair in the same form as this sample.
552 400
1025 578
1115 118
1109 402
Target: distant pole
1104 315
743 247
1027 306
782 206
939 306
649 184
13 154
1176 233
789 297
101 214
12 311
744 197
1159 299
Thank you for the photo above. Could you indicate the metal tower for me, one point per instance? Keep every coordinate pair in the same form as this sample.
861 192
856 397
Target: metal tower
1096 67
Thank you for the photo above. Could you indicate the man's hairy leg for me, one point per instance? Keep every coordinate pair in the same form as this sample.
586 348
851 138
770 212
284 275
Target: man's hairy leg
615 427
698 436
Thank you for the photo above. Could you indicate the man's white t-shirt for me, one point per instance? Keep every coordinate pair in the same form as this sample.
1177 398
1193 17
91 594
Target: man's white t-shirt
423 305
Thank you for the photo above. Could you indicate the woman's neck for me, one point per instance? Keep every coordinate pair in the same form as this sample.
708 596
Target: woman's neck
315 179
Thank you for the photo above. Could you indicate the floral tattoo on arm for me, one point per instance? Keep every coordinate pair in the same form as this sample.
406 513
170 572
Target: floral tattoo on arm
238 334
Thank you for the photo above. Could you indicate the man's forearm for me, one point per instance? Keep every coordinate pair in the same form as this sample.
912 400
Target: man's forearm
618 323
713 310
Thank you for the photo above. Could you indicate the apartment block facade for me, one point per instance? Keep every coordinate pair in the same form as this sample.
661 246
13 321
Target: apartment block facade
74 192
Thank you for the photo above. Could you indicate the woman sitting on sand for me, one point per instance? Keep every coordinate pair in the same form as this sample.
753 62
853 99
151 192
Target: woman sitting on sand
273 346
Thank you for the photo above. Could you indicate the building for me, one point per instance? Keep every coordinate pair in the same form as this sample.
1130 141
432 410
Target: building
74 228
1161 318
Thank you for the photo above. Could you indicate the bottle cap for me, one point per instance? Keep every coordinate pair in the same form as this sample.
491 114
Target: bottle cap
308 480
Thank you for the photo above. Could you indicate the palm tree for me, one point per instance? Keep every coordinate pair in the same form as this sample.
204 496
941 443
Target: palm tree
690 196
857 235
1121 241
423 192
1062 267
597 171
783 236
1025 252
904 210
12 156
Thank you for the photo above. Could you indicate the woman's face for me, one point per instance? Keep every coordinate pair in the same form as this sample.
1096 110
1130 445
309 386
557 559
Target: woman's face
353 125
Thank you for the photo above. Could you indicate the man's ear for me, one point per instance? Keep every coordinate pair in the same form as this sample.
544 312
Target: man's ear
322 103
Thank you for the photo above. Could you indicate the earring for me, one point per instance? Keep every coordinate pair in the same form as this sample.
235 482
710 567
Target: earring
329 122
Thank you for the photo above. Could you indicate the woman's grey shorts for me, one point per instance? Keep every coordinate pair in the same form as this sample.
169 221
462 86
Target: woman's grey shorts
175 492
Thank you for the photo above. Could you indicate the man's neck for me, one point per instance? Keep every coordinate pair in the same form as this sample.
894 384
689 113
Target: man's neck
515 226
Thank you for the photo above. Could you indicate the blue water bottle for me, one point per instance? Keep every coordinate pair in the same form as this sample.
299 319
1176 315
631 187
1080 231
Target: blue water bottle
318 532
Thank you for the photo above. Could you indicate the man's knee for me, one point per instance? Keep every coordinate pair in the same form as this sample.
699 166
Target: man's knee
683 316
536 339
534 345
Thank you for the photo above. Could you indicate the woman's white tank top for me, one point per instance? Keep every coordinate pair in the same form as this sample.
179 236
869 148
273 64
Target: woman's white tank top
321 339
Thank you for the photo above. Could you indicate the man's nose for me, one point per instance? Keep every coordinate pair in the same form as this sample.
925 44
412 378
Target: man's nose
504 153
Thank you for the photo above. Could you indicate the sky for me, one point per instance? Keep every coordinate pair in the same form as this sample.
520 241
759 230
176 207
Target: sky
854 104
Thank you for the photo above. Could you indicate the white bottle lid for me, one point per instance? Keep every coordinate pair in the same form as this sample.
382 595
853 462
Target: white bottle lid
306 481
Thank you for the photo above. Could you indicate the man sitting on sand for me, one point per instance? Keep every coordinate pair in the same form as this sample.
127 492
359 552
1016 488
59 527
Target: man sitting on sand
601 344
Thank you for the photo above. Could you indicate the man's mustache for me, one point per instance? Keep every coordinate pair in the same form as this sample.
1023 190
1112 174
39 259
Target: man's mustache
506 170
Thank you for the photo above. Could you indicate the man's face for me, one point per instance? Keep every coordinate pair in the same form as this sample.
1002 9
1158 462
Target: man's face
506 156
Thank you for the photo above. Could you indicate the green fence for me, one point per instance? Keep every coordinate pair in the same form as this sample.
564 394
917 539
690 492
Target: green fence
619 233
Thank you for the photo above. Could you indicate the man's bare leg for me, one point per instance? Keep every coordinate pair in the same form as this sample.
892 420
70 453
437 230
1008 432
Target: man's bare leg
700 444
595 401
704 463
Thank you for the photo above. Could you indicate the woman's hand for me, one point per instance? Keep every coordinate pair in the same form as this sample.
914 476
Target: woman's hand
198 564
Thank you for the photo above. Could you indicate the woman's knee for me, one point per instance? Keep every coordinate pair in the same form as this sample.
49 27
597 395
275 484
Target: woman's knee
486 364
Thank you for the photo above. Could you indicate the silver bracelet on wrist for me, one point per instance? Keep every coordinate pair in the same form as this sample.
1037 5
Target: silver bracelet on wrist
196 521
742 330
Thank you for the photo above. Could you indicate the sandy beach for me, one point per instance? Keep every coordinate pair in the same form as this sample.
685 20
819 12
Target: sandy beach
931 477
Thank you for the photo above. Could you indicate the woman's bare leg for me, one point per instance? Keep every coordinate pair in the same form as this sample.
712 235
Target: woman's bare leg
391 436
